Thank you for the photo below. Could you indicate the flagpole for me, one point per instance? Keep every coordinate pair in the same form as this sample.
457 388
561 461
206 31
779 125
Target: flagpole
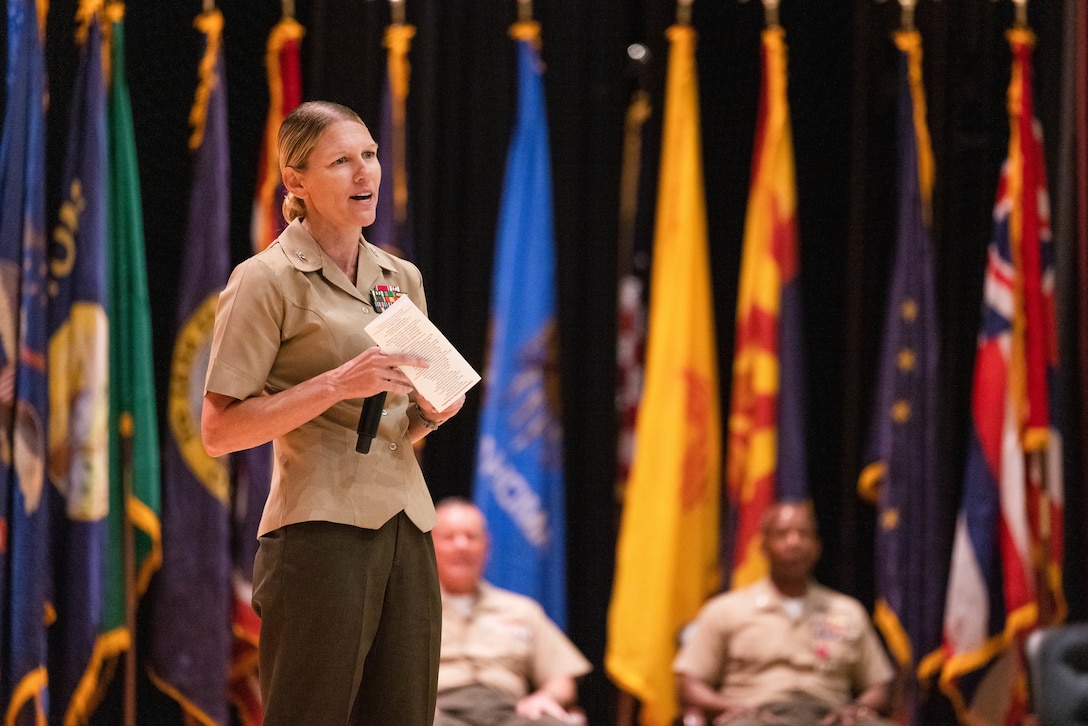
129 560
770 13
1021 13
683 12
637 113
525 11
906 15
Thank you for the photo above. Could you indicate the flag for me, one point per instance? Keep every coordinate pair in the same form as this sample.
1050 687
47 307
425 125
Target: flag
519 461
192 593
765 460
79 354
392 230
667 550
630 310
284 94
135 541
902 474
24 515
1005 577
252 469
251 476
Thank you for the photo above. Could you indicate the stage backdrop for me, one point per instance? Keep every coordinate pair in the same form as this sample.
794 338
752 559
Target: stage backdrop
842 93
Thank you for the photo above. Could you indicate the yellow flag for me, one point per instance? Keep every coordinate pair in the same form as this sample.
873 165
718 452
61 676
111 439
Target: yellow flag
667 553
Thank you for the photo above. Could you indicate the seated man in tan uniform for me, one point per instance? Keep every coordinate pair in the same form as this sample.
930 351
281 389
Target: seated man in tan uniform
503 662
784 650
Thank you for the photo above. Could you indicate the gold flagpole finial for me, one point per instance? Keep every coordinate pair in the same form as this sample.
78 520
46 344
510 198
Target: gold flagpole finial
906 14
770 13
525 11
1021 13
396 8
683 12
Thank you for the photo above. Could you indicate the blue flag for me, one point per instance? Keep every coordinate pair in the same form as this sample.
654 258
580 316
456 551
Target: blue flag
24 512
192 600
519 464
901 475
79 389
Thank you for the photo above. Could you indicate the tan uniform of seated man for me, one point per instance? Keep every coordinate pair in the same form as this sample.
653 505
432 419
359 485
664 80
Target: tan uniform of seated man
785 650
503 661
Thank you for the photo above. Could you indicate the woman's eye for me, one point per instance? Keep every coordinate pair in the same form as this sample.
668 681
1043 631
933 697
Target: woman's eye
369 154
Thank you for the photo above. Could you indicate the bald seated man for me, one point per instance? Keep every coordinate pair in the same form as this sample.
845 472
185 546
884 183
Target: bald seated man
785 650
503 661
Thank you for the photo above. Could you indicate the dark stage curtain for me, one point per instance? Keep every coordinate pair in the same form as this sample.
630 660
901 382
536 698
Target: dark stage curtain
460 111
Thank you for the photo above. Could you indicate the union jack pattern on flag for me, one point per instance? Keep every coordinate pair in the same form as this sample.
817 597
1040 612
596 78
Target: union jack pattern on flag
1005 577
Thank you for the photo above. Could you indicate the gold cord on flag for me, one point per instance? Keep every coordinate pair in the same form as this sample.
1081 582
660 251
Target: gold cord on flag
526 30
114 11
910 42
398 39
87 10
210 23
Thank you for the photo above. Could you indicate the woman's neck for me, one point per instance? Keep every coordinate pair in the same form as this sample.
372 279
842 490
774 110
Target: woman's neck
340 245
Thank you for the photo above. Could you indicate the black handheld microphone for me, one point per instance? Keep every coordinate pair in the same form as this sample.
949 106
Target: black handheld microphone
369 418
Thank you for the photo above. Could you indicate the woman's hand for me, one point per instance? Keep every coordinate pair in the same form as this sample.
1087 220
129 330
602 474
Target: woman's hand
436 416
229 424
372 372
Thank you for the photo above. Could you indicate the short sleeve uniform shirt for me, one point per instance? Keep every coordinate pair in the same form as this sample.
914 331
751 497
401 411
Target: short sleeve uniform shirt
503 640
287 314
747 645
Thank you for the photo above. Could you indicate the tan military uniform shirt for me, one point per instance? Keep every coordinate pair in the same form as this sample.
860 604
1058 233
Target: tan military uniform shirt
505 641
286 315
753 651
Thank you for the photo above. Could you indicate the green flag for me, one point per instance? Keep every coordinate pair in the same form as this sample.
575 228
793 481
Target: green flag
134 441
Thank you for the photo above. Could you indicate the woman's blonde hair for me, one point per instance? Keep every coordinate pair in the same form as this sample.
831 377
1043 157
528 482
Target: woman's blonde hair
297 138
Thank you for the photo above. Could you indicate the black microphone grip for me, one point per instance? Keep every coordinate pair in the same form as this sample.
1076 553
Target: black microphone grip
369 418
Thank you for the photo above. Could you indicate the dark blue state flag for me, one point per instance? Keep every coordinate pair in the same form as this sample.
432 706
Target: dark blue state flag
192 595
519 461
901 475
24 514
79 390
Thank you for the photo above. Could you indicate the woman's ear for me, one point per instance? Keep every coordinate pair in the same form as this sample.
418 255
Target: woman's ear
292 181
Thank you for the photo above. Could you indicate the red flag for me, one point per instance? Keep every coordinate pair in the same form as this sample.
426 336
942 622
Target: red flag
284 94
766 456
1006 562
